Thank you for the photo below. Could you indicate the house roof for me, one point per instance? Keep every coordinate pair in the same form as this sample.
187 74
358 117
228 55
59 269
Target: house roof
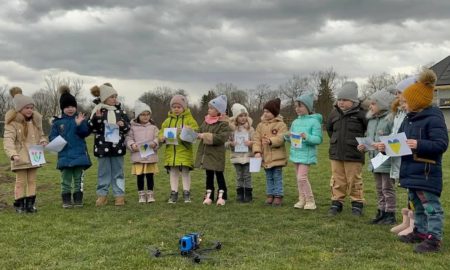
442 70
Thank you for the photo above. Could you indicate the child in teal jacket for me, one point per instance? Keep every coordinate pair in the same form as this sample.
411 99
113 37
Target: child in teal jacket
307 132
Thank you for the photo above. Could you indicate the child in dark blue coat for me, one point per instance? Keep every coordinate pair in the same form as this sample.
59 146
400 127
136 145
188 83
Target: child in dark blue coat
73 159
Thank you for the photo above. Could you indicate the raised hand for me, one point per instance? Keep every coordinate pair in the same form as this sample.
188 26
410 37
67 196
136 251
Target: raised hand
80 118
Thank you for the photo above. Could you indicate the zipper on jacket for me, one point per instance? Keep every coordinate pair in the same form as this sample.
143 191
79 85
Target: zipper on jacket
174 146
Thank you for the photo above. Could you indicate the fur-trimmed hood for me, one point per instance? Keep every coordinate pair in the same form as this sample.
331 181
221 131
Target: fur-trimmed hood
12 115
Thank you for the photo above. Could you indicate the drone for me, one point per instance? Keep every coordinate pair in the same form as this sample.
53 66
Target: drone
189 246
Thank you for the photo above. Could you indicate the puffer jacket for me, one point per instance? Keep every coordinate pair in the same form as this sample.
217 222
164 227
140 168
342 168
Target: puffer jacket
15 143
75 153
311 125
183 153
273 155
239 157
139 134
343 128
379 125
423 169
211 149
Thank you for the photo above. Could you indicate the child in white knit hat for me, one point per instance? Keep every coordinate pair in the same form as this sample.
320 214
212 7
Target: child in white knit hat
142 141
240 144
213 134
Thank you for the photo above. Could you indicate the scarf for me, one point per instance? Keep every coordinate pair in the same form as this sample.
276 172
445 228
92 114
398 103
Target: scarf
211 119
111 117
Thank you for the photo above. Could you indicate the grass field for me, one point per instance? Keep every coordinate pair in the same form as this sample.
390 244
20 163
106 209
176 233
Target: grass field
254 236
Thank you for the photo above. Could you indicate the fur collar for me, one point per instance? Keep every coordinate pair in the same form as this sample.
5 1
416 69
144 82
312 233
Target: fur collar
12 115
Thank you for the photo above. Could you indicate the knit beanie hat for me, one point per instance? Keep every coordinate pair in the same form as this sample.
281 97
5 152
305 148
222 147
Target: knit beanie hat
419 95
402 85
180 100
273 106
19 100
220 103
140 107
103 91
66 98
237 109
383 98
392 89
307 99
349 91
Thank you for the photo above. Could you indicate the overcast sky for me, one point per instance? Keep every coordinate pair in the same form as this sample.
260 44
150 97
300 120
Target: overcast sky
195 44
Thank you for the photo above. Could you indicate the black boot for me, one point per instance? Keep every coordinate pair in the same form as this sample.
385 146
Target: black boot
357 208
248 195
30 204
240 194
389 219
336 207
78 199
67 200
19 205
378 217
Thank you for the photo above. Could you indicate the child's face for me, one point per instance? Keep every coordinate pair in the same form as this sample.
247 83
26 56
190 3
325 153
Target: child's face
268 115
242 119
212 111
111 101
27 111
345 104
404 104
177 109
300 108
71 110
144 117
373 107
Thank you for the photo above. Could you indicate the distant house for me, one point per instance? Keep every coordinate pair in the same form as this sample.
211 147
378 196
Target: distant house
442 95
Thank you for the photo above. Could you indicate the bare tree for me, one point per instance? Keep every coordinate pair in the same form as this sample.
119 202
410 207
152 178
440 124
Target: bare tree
294 87
5 105
325 82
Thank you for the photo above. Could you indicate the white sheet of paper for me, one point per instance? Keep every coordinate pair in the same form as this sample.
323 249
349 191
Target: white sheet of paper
145 150
396 145
56 145
366 141
188 135
255 164
171 136
378 160
240 137
36 153
296 140
112 133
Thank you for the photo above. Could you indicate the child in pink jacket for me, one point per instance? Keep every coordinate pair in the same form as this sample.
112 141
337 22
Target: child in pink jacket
142 140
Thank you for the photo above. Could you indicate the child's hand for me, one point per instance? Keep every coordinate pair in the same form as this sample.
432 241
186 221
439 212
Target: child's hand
134 147
379 146
80 118
265 140
120 123
162 139
248 143
98 113
258 155
361 147
233 143
43 143
200 136
15 159
153 145
411 143
303 135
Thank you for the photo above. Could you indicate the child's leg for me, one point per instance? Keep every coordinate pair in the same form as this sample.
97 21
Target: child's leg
302 176
381 203
433 212
338 181
353 172
239 175
222 184
299 184
210 183
140 182
19 187
246 176
270 189
66 181
150 181
174 175
420 219
31 181
104 176
78 177
389 193
118 180
278 181
186 176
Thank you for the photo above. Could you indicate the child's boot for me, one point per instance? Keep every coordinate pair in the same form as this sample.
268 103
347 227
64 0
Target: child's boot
336 208
405 223
120 200
142 196
301 202
150 196
78 199
19 205
389 219
208 200
248 195
240 194
101 201
30 204
357 208
269 199
187 196
173 197
220 200
378 217
67 200
277 201
410 229
431 244
310 204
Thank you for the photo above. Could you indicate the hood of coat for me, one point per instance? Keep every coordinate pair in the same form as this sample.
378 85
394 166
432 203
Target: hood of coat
12 115
279 118
187 111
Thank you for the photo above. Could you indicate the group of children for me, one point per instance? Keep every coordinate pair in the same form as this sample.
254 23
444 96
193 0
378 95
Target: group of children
410 112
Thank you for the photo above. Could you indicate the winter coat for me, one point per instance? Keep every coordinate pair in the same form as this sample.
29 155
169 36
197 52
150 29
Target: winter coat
343 128
379 125
103 148
311 125
181 154
211 149
74 153
240 157
396 161
139 134
273 155
423 169
14 141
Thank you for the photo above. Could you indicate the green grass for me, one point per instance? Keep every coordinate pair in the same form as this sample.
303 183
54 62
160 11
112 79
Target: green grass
254 236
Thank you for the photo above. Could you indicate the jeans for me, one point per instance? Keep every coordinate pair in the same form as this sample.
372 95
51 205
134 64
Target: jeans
428 212
110 173
274 181
243 175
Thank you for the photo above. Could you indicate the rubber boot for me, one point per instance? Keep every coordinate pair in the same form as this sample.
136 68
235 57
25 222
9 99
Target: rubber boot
405 222
220 199
66 200
411 227
379 216
78 199
389 219
240 194
30 204
19 205
208 200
